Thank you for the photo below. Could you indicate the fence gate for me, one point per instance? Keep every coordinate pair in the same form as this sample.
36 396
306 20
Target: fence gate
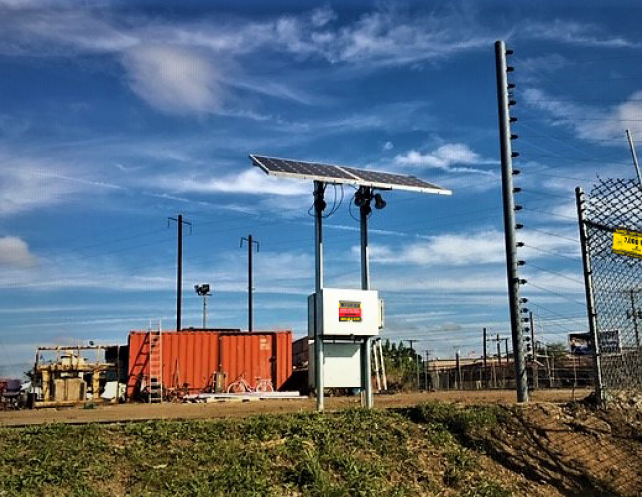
611 222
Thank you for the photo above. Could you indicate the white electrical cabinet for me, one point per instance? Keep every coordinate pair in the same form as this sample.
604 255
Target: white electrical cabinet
341 365
346 313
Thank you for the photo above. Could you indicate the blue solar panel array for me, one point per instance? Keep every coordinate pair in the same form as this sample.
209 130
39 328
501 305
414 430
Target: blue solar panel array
330 173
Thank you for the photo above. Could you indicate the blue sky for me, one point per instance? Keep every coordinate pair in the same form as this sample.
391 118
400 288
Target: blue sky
115 116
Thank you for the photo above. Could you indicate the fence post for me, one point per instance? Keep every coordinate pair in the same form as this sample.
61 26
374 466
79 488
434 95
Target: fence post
590 297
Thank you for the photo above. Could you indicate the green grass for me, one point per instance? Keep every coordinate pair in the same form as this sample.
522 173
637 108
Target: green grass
419 451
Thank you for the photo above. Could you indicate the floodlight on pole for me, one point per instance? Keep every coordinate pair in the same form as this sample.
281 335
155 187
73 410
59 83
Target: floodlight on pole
204 291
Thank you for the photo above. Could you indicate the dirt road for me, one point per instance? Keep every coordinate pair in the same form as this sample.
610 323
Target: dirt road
137 412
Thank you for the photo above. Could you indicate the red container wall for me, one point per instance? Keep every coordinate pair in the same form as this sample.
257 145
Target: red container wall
193 356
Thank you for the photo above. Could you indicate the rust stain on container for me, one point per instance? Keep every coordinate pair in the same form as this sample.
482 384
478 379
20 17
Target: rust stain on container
190 358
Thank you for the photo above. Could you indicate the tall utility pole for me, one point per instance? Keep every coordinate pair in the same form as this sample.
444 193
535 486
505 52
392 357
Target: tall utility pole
508 191
250 315
179 276
427 353
485 361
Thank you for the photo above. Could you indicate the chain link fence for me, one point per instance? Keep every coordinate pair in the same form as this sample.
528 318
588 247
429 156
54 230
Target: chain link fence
615 206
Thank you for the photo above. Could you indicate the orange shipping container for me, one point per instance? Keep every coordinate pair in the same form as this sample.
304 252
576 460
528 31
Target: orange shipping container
192 357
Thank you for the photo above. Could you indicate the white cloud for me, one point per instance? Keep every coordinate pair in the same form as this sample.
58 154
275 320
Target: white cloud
387 146
588 122
482 247
27 184
451 249
444 157
14 252
250 181
574 33
173 79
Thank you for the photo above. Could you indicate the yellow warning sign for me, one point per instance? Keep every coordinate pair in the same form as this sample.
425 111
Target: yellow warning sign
627 242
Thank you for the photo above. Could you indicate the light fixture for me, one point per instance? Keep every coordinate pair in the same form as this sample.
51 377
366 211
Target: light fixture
202 289
380 203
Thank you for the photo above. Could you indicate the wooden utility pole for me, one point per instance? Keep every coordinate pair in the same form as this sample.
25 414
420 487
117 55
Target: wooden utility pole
250 289
179 276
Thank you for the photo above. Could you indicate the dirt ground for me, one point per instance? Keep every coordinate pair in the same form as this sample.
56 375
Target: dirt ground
137 412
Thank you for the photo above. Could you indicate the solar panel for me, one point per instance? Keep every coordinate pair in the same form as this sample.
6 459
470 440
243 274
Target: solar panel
330 173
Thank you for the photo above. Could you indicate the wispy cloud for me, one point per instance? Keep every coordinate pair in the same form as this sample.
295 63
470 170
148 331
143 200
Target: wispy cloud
456 249
574 33
174 80
249 181
175 65
589 122
444 157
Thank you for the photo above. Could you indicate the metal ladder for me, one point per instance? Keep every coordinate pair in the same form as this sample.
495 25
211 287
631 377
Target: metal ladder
155 362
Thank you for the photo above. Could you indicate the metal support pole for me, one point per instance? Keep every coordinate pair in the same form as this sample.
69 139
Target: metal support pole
590 296
634 316
383 366
634 155
499 350
319 205
521 378
204 312
417 367
485 360
366 366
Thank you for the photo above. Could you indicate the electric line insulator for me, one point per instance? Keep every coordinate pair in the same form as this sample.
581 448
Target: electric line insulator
522 281
525 310
523 300
510 68
512 102
518 207
519 244
513 119
521 263
514 154
514 137
517 189
511 86
516 172
519 226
